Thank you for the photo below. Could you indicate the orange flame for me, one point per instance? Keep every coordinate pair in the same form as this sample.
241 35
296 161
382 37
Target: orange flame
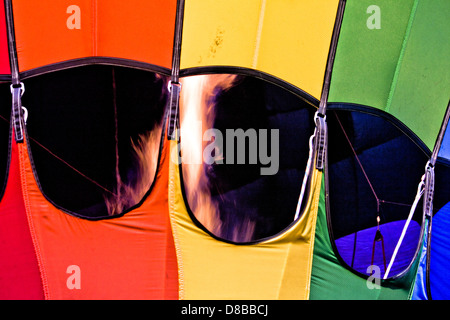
197 115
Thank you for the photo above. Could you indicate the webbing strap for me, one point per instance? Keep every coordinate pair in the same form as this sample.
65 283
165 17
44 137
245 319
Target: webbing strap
320 118
12 43
331 56
17 87
174 85
429 169
429 194
429 181
440 138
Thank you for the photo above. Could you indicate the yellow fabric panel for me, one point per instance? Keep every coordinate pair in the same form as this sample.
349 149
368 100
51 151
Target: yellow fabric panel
279 268
287 39
218 32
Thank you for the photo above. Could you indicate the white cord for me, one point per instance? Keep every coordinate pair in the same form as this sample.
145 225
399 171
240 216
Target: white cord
305 177
419 194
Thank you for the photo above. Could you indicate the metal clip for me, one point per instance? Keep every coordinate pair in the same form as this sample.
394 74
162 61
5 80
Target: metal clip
321 135
174 100
429 190
17 92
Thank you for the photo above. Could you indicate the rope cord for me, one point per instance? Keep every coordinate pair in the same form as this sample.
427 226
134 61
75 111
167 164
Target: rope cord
378 235
65 162
364 171
357 159
306 176
419 194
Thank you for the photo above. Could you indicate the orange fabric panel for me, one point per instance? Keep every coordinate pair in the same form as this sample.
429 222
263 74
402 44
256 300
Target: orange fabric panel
42 35
137 30
128 257
54 31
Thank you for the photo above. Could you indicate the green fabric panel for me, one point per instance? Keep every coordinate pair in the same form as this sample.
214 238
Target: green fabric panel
422 89
402 68
366 59
330 280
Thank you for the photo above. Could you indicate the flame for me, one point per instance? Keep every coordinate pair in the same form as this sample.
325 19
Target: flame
146 150
244 231
197 103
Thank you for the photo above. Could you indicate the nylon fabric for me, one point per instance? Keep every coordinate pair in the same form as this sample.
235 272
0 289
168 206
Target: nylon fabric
364 248
440 251
330 280
128 257
444 151
420 290
279 47
277 268
19 271
402 67
54 31
366 58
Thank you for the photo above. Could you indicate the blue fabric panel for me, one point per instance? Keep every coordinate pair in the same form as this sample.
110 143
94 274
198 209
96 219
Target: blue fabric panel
392 161
440 255
420 290
444 152
391 232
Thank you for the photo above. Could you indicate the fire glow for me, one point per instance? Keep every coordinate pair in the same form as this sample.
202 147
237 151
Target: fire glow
197 107
202 146
128 194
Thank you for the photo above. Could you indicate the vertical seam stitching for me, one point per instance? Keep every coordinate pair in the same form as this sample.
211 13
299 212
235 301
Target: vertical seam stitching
259 33
30 221
94 28
401 55
312 235
172 213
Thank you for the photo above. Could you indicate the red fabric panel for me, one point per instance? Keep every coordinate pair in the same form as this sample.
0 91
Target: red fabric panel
127 257
19 270
4 54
